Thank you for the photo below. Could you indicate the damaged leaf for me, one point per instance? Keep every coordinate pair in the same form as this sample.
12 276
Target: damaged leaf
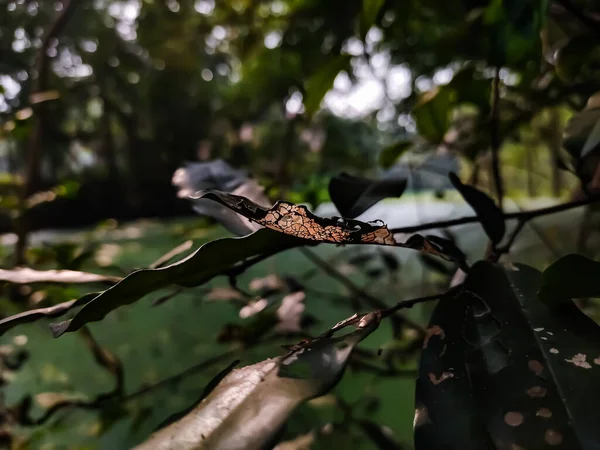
298 221
251 404
354 195
500 369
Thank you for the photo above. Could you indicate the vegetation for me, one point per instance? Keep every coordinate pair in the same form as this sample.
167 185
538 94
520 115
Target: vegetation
104 102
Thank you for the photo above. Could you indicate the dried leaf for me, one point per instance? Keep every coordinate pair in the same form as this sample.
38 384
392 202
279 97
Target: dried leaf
247 408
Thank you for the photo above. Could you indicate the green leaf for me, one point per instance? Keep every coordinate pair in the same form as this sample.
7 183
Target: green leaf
370 10
500 368
321 82
572 276
390 154
489 214
250 405
353 195
210 260
432 113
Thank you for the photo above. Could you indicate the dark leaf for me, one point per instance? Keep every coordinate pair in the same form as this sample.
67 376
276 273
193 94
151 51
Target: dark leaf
319 84
499 369
250 405
210 260
436 265
353 195
389 155
572 276
489 214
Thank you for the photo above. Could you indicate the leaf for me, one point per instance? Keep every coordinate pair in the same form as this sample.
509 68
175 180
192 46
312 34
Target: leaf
353 195
499 369
390 154
212 384
25 275
210 260
250 405
432 113
370 10
572 276
35 314
490 216
319 84
298 221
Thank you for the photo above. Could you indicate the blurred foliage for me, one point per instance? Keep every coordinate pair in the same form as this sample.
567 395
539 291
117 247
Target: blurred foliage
102 100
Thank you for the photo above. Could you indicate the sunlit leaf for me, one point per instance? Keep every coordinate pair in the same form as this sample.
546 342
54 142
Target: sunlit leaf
353 195
298 221
247 408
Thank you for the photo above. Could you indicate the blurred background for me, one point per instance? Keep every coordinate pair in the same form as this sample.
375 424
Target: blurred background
103 102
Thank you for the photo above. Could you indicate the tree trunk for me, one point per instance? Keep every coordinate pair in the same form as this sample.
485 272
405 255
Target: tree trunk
39 83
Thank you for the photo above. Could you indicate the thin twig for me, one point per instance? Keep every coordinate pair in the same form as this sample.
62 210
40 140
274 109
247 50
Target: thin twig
371 301
409 304
495 138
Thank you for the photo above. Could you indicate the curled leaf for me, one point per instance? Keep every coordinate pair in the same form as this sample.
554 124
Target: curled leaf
298 221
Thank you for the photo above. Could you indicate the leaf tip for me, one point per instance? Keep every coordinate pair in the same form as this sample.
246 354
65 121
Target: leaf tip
59 328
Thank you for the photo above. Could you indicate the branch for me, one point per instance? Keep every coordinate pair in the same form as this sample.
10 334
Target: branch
528 215
371 301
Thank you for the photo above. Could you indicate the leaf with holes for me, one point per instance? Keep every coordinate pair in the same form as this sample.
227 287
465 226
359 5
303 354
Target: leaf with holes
572 276
499 369
298 221
490 216
353 195
251 404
